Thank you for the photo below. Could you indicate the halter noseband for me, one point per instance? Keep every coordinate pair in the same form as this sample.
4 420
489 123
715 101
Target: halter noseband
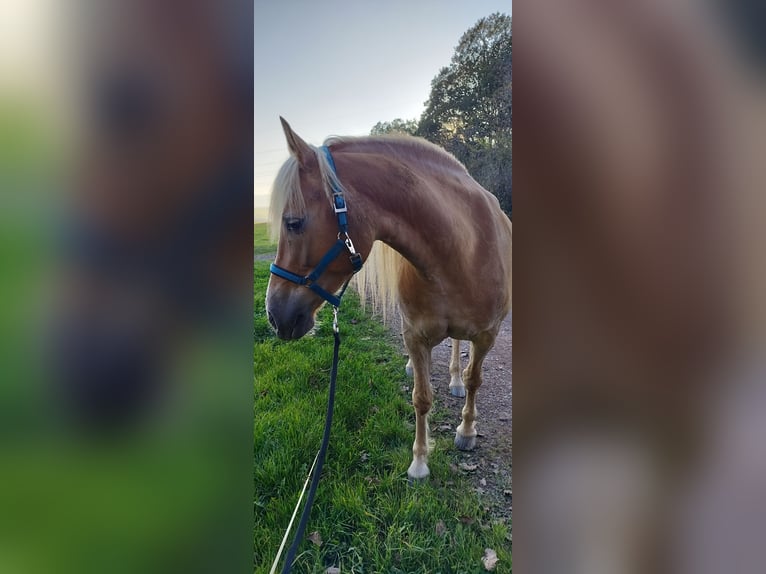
343 242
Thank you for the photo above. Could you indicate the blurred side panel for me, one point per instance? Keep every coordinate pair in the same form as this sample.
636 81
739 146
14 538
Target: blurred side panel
638 306
126 286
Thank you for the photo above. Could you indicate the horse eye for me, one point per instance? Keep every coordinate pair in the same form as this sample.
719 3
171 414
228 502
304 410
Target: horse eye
294 224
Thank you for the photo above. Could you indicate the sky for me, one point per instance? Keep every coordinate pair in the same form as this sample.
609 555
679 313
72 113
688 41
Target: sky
340 66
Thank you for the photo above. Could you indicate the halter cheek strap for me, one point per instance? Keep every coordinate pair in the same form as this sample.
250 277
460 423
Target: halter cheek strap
343 243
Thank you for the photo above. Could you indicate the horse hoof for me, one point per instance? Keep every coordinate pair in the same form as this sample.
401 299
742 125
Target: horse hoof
465 442
457 391
418 471
409 371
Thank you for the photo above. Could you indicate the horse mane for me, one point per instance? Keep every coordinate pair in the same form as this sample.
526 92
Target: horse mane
400 146
378 281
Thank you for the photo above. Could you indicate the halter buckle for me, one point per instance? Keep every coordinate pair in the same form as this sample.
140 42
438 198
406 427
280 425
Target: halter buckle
339 203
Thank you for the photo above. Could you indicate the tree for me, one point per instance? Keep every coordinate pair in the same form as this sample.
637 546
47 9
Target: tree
397 126
469 111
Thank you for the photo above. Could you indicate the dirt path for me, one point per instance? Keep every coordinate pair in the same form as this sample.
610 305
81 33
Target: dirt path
492 456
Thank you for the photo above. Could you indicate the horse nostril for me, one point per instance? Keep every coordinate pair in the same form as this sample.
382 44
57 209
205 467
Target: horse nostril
272 321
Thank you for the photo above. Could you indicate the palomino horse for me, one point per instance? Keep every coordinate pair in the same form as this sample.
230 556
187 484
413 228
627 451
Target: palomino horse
444 252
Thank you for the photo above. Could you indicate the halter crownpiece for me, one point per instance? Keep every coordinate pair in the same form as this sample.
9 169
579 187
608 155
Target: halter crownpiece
343 242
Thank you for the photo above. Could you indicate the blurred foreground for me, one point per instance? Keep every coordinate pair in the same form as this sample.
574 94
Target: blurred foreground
126 298
640 395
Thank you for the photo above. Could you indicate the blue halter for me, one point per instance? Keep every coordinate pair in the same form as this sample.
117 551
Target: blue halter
343 242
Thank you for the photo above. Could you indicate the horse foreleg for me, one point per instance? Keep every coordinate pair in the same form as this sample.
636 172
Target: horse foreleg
422 397
465 438
456 387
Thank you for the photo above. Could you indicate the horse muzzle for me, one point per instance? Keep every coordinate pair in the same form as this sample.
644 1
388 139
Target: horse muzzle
291 317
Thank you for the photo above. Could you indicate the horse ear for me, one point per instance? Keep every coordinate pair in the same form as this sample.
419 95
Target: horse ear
299 148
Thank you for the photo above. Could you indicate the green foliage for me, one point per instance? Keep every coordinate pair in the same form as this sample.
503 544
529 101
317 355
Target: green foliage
469 111
397 126
367 516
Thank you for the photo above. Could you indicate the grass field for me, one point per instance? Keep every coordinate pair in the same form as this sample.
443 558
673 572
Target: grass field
261 242
368 518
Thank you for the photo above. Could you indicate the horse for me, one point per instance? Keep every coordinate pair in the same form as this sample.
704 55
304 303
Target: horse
429 236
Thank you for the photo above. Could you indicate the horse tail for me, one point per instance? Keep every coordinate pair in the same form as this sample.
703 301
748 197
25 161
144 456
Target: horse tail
378 281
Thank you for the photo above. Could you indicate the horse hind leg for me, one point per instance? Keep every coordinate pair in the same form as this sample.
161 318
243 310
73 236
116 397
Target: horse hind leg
456 387
465 437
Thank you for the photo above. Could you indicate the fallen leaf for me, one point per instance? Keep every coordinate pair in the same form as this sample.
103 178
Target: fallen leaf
489 559
441 529
332 570
466 519
315 537
468 467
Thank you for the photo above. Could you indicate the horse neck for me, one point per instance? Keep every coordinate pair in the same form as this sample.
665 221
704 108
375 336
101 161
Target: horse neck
408 219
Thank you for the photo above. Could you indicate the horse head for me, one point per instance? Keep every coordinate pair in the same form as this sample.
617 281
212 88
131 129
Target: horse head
309 253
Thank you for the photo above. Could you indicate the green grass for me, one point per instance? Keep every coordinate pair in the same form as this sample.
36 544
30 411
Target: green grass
368 517
261 242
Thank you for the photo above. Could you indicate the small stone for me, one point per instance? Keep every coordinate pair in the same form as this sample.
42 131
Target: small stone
489 559
315 537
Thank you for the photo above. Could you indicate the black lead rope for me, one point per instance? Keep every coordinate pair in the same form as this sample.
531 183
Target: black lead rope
322 449
318 470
